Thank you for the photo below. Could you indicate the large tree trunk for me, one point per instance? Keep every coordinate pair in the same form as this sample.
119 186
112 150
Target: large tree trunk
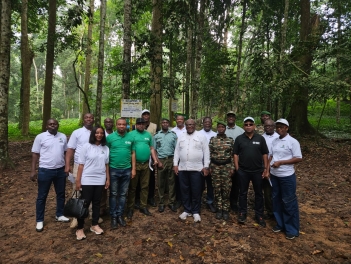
100 63
50 56
88 58
309 37
156 62
127 47
189 53
27 56
5 48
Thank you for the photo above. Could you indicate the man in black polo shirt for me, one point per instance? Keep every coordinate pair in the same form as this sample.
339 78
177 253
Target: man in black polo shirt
251 161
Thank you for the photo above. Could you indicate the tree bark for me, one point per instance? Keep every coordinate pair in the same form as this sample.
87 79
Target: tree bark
189 53
27 56
156 62
5 48
100 63
127 47
50 56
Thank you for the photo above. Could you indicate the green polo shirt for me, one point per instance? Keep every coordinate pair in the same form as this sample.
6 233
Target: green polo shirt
164 143
142 144
120 150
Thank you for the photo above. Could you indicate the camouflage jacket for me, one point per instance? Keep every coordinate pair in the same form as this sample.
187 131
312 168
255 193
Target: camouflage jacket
259 129
221 148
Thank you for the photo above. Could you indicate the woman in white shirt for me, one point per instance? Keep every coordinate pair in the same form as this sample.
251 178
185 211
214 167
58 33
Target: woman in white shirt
285 152
93 176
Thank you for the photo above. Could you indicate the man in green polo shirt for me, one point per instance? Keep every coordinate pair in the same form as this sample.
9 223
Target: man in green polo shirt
143 147
122 169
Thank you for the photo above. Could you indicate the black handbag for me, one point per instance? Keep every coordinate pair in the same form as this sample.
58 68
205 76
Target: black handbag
76 207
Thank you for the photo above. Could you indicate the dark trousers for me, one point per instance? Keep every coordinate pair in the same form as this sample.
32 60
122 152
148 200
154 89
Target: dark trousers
209 187
244 181
142 175
267 192
191 183
151 187
234 192
92 194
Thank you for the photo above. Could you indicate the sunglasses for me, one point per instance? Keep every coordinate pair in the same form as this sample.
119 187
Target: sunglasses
249 124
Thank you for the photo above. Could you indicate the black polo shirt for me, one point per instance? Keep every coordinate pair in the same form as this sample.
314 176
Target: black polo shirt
250 152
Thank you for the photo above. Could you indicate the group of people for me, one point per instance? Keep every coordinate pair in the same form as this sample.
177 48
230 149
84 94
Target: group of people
186 162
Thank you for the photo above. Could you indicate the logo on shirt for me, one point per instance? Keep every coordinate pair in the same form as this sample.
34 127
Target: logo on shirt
147 139
282 146
60 140
102 152
127 142
256 142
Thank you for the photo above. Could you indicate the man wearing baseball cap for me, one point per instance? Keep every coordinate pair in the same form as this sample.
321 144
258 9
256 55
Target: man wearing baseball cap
265 115
251 164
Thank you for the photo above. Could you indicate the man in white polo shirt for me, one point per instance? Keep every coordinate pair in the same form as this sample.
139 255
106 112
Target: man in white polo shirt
49 148
76 141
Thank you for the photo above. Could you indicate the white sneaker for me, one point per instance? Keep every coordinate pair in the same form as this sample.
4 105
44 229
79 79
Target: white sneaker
40 226
197 218
74 223
184 215
62 219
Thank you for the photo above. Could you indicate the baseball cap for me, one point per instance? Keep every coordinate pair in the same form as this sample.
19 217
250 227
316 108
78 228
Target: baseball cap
231 113
249 118
140 120
145 111
282 121
221 123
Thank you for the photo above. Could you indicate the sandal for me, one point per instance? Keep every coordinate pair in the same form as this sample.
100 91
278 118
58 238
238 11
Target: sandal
80 236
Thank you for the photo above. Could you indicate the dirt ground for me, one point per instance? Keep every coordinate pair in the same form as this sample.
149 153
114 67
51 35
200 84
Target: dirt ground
324 193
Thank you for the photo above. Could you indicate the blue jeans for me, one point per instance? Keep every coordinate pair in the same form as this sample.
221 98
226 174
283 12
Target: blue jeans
191 183
119 182
45 178
285 207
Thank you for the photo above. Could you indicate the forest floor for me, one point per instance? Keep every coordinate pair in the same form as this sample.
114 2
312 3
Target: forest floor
324 193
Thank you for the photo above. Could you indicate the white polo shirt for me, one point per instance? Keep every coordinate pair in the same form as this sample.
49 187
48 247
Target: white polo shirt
284 149
51 149
78 138
94 159
208 134
178 131
269 139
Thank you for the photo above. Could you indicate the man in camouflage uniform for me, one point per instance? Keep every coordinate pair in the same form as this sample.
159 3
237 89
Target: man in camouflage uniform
265 115
222 167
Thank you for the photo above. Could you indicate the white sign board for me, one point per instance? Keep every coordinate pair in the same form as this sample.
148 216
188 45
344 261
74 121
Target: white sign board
131 107
174 106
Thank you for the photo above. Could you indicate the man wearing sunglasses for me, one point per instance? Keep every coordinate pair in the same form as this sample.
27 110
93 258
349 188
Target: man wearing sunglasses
251 163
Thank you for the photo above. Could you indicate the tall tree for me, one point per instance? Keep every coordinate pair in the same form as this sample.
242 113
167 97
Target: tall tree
156 62
27 56
127 48
50 57
100 63
5 47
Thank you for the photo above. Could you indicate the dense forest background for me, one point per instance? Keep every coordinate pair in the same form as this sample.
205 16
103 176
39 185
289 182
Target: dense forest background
63 58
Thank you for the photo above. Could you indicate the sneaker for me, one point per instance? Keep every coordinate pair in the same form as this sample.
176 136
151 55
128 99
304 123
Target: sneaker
261 221
62 218
242 218
74 223
80 234
184 215
96 229
276 229
40 226
197 218
290 237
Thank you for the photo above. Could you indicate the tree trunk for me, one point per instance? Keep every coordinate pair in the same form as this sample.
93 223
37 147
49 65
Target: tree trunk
5 48
27 56
50 56
100 63
127 46
189 50
309 37
88 58
156 62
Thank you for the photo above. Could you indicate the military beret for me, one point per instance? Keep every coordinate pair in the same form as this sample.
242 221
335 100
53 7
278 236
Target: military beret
221 123
265 113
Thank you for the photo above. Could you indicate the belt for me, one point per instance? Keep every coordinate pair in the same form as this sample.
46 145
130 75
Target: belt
168 157
221 162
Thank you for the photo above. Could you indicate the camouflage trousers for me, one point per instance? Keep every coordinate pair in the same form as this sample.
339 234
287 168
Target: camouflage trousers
222 182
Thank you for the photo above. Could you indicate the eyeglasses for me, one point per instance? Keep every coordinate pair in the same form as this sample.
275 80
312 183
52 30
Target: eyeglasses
249 124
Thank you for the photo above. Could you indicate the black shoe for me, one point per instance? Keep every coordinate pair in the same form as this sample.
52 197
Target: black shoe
172 207
114 223
219 214
151 202
276 229
242 218
178 204
291 237
260 221
130 214
161 208
225 215
121 221
137 205
145 211
212 208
